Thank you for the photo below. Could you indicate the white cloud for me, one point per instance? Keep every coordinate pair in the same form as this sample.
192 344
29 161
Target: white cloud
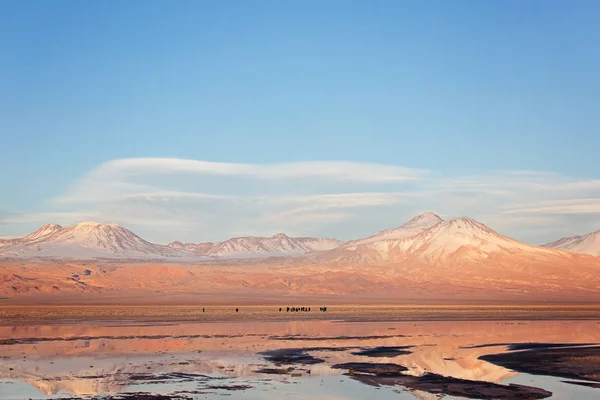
352 171
66 217
573 206
169 199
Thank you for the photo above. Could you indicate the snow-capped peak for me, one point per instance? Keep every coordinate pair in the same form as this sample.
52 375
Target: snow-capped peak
463 227
426 220
87 223
459 237
586 244
466 224
89 240
256 246
410 229
44 231
446 238
92 224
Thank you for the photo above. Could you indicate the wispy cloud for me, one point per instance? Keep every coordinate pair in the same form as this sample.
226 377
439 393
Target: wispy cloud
193 200
66 217
352 171
573 206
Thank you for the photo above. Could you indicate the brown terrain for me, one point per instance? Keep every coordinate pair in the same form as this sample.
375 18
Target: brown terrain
499 279
427 260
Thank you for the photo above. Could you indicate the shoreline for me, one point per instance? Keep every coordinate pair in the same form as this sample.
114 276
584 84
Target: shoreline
64 314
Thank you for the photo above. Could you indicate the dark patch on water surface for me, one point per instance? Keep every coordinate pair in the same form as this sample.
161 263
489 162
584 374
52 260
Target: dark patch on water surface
291 356
381 369
529 346
587 384
150 377
573 363
383 351
275 371
377 374
7 342
172 376
230 387
91 377
298 355
134 396
317 338
533 346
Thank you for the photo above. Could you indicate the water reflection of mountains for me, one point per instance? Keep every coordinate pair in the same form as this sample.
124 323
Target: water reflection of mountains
105 360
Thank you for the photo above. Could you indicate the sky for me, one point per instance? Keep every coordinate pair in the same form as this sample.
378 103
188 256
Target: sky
203 120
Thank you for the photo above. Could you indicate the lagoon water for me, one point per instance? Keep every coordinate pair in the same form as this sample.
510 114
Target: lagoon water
132 359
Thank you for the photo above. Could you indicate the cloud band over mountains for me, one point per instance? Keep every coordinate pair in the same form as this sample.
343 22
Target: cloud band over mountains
192 200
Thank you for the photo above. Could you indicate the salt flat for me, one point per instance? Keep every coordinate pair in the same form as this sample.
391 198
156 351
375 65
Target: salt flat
33 314
132 359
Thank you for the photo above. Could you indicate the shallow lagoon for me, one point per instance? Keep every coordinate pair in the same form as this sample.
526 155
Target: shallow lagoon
213 359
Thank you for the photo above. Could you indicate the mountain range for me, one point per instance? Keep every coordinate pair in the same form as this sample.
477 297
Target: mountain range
426 236
253 246
586 244
457 260
87 240
434 242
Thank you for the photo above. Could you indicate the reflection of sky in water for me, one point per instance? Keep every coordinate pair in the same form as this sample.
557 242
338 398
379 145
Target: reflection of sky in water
559 389
105 358
304 388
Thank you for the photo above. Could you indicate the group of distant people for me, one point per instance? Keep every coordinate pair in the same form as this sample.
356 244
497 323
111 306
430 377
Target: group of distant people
297 309
288 309
300 309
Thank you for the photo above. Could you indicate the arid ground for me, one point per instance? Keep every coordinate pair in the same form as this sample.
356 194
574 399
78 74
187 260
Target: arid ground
275 282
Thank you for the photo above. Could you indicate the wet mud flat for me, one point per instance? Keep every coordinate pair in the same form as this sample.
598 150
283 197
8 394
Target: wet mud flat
300 355
561 360
184 395
170 382
352 360
392 374
135 396
375 374
33 340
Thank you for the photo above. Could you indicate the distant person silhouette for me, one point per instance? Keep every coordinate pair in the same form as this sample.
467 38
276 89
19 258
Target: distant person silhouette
237 310
203 310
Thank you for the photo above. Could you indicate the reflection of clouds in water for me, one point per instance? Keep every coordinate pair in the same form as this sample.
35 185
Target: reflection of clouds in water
62 366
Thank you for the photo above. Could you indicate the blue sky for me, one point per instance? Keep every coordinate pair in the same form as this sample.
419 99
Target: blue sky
450 100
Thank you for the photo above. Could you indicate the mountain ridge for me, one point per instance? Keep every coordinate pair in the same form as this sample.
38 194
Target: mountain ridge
428 259
94 239
257 246
583 244
413 227
439 241
87 240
